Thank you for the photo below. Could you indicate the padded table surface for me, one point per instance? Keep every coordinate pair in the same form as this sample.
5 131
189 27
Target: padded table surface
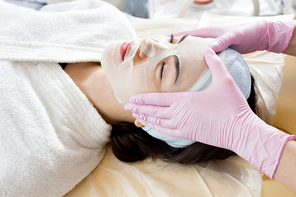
285 120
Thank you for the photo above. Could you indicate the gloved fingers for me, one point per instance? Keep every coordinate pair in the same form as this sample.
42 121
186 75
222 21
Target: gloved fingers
159 99
167 131
149 110
161 122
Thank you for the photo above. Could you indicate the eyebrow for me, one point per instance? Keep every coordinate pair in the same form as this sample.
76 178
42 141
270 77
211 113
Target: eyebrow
183 38
177 65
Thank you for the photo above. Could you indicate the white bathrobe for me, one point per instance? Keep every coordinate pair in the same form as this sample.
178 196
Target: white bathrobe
51 136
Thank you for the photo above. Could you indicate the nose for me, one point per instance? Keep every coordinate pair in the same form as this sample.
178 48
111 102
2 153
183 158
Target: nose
143 50
149 46
142 54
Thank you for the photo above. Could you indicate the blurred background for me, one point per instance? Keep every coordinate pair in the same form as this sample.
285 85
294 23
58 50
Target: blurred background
164 9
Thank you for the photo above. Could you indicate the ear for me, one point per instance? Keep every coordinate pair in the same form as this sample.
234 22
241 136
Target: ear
138 124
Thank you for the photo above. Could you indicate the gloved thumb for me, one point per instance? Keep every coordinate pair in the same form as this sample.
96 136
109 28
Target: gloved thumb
221 43
216 65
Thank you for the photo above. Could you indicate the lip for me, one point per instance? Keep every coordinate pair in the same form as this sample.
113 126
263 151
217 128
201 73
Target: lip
125 49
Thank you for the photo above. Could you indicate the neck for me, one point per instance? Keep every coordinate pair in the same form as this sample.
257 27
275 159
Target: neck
91 80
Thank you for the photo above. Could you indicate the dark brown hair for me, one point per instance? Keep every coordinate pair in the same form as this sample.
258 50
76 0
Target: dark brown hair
130 143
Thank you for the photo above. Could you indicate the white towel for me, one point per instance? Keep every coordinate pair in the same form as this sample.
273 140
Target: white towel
76 35
51 136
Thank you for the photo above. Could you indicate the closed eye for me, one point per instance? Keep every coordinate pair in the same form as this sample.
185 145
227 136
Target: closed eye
161 70
166 73
177 67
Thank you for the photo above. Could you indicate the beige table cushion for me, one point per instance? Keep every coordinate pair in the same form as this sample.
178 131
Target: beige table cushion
285 119
231 177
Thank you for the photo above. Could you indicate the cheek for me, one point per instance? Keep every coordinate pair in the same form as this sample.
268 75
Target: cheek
127 82
107 58
189 74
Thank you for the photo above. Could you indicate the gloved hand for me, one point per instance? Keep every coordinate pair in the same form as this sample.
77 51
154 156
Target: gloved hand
249 37
219 116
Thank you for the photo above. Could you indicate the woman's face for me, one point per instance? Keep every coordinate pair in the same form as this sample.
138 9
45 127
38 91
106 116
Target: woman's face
154 64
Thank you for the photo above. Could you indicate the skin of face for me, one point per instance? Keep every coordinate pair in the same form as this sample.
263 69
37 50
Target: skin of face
152 65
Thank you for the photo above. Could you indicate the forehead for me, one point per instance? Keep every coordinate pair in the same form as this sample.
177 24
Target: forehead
191 49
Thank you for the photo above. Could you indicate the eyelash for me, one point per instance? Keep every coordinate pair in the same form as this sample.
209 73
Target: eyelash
161 70
172 38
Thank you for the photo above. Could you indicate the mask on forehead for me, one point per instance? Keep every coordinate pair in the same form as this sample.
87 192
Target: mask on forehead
128 79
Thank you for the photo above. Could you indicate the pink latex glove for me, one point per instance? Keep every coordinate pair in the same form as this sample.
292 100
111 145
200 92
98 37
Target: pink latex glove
249 37
219 116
